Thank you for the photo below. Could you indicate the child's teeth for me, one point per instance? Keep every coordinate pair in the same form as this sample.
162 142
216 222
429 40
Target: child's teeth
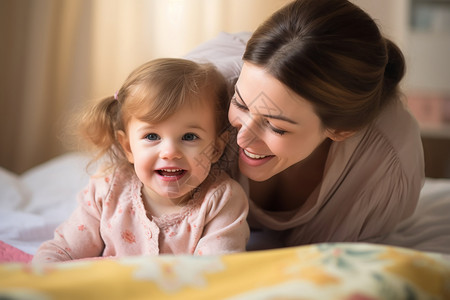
171 170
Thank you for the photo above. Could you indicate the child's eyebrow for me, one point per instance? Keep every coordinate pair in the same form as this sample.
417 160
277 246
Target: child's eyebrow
277 117
197 127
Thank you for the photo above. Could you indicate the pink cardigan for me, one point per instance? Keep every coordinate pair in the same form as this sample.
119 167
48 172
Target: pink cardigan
111 221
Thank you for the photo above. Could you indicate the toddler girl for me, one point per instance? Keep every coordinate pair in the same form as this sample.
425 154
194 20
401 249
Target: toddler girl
162 191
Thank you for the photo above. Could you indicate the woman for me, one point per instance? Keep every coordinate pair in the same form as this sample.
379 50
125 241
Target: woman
327 149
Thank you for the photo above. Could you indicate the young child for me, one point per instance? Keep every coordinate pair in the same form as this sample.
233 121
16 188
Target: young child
162 192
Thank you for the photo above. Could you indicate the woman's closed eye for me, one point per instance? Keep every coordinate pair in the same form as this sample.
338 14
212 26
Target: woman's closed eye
238 105
273 128
266 122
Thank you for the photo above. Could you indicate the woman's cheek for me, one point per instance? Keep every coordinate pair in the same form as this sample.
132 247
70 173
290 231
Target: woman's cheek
275 144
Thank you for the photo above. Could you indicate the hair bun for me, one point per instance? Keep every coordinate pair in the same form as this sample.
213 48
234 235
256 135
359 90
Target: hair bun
395 68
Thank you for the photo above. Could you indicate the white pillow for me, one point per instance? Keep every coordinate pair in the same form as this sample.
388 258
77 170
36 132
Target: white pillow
224 51
13 194
55 184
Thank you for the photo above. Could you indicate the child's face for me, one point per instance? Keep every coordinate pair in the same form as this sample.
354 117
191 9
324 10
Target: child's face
174 156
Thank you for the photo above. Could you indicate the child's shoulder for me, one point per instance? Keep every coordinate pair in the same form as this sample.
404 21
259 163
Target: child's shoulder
222 186
224 195
113 185
109 176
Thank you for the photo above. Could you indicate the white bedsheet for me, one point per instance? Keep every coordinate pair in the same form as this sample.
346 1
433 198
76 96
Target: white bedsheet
428 229
34 203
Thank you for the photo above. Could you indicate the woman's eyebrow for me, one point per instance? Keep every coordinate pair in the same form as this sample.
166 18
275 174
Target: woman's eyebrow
237 92
277 117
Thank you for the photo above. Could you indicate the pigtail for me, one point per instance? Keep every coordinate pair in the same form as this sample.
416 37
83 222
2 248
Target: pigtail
98 126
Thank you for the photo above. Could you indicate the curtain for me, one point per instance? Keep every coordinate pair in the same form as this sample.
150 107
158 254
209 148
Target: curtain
56 55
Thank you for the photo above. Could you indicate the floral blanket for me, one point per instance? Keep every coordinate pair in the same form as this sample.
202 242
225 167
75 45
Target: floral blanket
324 271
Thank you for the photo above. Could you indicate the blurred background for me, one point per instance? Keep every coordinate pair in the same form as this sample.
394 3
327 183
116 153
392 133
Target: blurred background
56 55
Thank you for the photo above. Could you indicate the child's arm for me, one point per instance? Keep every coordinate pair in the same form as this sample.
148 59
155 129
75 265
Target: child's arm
226 229
79 236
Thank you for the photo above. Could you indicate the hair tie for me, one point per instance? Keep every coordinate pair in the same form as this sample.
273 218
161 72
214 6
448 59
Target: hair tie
116 94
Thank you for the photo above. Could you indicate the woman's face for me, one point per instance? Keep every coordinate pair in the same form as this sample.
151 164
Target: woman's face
276 127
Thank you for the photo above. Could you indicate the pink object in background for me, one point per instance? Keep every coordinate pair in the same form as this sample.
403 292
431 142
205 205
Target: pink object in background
430 109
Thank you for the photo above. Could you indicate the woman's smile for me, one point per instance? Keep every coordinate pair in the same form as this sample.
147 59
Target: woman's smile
252 159
253 155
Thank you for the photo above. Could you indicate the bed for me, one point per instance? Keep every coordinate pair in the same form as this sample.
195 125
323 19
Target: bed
412 262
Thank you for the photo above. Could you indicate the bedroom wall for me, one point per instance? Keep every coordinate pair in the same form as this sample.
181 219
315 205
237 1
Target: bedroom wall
61 54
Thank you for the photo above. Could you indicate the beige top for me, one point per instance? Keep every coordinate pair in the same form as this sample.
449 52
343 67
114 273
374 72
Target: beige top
371 182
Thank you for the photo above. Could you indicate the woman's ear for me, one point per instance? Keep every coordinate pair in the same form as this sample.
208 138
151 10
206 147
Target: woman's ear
339 136
124 141
221 142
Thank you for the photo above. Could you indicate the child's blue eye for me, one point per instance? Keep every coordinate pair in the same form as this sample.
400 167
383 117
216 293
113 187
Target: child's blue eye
152 137
189 137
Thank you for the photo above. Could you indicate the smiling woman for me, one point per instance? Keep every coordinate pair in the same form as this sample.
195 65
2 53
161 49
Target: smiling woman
327 149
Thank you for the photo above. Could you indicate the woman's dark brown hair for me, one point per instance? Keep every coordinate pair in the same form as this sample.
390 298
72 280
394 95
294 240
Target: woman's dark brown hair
331 53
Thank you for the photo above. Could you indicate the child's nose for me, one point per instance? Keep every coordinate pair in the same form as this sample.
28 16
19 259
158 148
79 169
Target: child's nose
169 150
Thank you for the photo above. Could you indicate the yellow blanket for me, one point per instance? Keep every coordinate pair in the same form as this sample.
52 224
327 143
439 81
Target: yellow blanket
322 271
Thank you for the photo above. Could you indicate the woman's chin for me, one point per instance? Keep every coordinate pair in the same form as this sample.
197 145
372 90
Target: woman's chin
253 173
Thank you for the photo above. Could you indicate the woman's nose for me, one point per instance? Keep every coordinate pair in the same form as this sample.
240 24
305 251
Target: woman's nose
247 132
169 150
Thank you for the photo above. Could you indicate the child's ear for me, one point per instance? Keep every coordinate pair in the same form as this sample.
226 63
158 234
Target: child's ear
339 136
124 141
221 142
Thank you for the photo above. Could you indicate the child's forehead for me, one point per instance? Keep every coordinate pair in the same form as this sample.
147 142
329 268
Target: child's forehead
198 118
195 105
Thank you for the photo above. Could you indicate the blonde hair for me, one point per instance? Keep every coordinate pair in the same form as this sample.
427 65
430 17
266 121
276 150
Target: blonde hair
152 93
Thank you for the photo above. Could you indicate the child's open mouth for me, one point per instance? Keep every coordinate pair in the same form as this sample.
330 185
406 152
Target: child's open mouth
171 174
